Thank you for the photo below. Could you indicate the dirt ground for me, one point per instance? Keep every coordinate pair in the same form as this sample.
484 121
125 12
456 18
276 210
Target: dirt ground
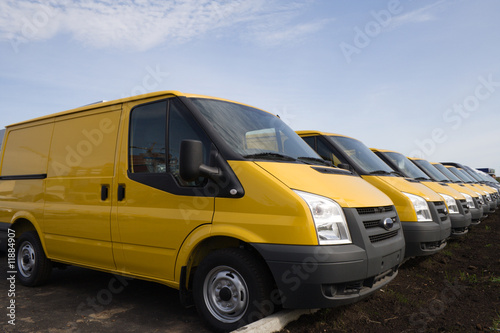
78 300
457 290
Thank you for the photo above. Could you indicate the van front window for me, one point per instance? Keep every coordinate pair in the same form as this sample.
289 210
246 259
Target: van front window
253 133
406 166
361 155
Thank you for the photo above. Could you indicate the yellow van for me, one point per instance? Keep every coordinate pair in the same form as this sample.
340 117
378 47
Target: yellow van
215 198
456 202
488 188
484 190
423 213
435 171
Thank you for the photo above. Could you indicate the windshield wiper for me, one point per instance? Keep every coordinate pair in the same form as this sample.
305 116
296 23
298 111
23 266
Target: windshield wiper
270 156
320 161
383 172
421 178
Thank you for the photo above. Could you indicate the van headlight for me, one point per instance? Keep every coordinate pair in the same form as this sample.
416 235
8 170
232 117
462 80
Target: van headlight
450 203
421 207
480 198
329 219
468 198
488 196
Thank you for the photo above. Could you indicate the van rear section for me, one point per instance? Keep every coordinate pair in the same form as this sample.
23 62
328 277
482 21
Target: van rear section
423 213
217 199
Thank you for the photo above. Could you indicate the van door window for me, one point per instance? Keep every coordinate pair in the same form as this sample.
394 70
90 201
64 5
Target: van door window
180 128
326 153
311 141
147 138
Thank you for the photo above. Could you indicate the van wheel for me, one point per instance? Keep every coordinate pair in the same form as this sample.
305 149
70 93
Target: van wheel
33 267
232 288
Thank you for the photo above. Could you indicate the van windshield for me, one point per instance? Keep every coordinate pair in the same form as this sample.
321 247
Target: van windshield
488 178
255 134
471 173
405 166
459 174
466 176
432 171
361 155
450 175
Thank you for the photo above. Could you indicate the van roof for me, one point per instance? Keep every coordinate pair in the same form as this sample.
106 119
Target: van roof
385 150
117 101
314 132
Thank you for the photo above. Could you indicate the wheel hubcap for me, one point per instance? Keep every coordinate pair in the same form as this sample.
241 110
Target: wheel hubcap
26 259
226 294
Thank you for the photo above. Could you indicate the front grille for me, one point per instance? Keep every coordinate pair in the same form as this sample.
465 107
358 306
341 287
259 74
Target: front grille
374 210
464 206
384 236
371 224
373 221
441 210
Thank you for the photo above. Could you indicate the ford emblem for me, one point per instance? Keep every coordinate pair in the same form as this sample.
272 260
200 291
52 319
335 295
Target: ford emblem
387 223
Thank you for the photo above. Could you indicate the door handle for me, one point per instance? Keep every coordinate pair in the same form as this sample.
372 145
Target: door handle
121 192
104 192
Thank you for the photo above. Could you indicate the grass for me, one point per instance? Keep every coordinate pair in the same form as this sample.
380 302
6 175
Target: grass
448 276
398 296
447 253
496 323
487 227
466 277
495 279
489 245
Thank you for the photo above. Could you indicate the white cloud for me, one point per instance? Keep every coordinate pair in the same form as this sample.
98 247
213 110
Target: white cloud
423 14
142 24
275 34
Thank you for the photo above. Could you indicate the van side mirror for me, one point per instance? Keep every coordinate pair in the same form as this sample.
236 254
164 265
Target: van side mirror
191 165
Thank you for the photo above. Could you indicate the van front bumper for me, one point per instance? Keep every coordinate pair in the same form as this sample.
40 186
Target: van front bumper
425 238
486 210
492 205
477 215
460 224
327 276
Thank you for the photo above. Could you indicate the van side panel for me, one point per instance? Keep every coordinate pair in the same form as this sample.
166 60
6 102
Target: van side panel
268 213
81 169
26 151
25 155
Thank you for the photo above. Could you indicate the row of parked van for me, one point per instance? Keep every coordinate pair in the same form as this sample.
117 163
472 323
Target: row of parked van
448 195
225 203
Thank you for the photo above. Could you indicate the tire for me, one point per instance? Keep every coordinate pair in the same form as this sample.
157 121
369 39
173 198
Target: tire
33 267
225 274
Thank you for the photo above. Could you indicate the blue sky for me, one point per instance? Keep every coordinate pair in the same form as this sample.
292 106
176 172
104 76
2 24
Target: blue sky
418 77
